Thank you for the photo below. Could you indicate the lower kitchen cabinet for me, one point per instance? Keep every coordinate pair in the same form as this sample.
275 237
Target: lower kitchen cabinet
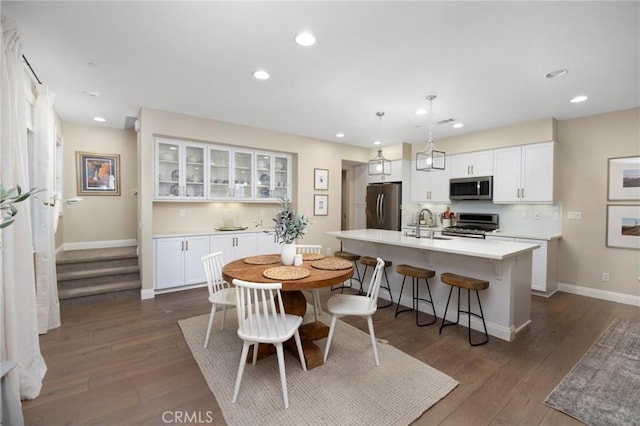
178 261
268 243
234 246
543 274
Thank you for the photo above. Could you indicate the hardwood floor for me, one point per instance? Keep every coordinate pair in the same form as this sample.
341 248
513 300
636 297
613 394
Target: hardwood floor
126 363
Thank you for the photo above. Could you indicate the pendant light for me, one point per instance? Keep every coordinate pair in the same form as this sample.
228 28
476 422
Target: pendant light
431 158
379 165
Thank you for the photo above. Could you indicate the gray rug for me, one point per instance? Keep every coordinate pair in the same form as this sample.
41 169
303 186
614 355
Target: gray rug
603 388
348 390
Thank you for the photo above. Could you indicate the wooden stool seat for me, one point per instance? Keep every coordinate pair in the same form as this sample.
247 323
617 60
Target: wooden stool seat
351 257
464 282
372 261
469 283
416 273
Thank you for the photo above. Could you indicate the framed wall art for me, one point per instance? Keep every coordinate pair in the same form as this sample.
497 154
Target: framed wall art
98 174
321 179
623 226
320 205
624 179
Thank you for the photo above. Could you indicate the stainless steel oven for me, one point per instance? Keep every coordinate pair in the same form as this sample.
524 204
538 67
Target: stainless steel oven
472 225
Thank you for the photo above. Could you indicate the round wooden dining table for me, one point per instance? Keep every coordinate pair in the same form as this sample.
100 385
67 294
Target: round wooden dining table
293 300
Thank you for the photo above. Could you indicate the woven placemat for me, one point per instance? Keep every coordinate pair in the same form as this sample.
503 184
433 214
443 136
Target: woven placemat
312 256
268 259
332 264
286 273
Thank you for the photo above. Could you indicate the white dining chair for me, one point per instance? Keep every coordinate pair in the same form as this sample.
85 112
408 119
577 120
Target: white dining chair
312 248
220 292
341 305
262 319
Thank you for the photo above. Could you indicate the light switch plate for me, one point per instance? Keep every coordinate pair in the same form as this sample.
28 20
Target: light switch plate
574 215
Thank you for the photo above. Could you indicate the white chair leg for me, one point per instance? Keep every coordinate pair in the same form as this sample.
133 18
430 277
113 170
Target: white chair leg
243 357
331 328
316 303
211 315
296 336
283 375
373 340
224 315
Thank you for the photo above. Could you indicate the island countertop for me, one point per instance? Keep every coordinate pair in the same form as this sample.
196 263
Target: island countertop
488 249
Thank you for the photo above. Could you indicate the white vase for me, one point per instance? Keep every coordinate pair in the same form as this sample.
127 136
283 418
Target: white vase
288 254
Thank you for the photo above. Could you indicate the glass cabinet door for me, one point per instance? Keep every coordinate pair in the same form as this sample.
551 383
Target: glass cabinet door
264 174
219 173
168 170
282 177
194 171
242 175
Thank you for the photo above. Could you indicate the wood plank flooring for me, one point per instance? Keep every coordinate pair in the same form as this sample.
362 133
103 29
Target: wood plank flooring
126 363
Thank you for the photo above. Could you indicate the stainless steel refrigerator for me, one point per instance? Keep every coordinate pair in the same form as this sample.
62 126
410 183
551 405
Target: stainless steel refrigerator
383 206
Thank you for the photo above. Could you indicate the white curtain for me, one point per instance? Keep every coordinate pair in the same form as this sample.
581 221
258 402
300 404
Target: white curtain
19 339
43 173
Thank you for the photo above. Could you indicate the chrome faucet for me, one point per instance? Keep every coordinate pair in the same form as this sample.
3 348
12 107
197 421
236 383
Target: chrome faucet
430 221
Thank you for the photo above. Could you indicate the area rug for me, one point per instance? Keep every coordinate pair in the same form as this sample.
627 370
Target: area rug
347 390
604 386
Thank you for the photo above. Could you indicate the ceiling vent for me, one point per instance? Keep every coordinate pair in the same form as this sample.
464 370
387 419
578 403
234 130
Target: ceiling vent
446 120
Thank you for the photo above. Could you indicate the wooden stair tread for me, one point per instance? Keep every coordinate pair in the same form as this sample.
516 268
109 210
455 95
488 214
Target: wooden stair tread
75 275
92 255
98 289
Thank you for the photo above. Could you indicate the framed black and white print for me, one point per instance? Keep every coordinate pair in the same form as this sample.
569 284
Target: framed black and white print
320 205
623 226
624 179
320 179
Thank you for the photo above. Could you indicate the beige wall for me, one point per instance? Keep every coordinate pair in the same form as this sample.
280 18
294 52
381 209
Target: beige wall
584 146
99 218
162 217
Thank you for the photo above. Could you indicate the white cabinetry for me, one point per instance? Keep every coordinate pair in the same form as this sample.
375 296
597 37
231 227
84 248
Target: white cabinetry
524 174
543 273
429 186
234 246
178 261
230 174
179 170
268 243
273 176
397 167
478 163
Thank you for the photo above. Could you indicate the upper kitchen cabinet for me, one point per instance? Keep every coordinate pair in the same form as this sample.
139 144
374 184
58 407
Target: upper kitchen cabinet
398 167
478 163
524 174
231 174
273 176
179 170
429 187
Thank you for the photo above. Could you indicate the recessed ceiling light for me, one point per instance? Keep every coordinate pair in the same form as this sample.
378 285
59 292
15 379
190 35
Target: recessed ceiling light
578 99
261 75
557 73
99 119
305 39
421 111
458 125
377 143
340 135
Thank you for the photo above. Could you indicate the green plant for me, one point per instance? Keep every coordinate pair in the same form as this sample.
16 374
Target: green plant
289 226
8 198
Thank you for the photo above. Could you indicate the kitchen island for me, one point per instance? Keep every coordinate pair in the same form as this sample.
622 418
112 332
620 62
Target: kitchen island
506 265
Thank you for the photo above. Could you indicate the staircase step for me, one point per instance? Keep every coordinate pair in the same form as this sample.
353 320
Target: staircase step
96 264
91 273
91 255
72 293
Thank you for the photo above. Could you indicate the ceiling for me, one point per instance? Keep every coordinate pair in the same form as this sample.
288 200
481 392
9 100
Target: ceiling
485 61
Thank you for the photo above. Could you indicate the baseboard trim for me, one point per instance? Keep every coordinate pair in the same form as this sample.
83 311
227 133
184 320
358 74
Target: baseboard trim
595 293
147 294
86 245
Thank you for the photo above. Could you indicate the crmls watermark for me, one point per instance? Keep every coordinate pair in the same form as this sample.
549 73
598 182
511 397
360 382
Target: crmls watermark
189 417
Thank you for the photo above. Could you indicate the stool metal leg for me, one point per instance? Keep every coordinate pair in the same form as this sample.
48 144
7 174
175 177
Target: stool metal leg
398 310
416 299
388 288
481 316
341 287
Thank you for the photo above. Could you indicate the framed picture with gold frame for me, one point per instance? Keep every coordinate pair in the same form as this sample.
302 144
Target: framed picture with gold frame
98 174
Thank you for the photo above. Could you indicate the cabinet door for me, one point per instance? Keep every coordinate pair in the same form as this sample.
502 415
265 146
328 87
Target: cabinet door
538 264
219 173
167 169
429 186
224 243
482 163
169 262
243 180
268 244
264 167
281 182
506 175
245 246
194 171
195 248
460 165
537 172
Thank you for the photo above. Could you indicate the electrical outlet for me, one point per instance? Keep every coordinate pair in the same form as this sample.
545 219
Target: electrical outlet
574 215
523 214
605 276
536 215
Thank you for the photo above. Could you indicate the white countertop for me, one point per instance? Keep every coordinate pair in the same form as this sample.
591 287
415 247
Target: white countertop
516 234
489 249
212 232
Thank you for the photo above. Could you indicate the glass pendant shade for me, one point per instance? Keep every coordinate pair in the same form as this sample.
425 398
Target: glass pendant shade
379 165
431 158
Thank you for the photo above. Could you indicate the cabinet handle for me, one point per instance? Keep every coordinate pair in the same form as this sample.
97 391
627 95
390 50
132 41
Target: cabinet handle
518 195
471 169
182 245
522 193
187 245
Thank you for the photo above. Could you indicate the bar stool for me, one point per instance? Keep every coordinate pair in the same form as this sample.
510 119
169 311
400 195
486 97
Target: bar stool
469 283
351 257
370 261
416 273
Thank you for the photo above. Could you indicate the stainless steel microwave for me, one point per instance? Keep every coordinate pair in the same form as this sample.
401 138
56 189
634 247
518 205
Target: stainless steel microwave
471 188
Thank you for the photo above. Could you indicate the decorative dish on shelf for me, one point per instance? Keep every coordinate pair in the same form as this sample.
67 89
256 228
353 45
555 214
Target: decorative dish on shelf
175 189
175 175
